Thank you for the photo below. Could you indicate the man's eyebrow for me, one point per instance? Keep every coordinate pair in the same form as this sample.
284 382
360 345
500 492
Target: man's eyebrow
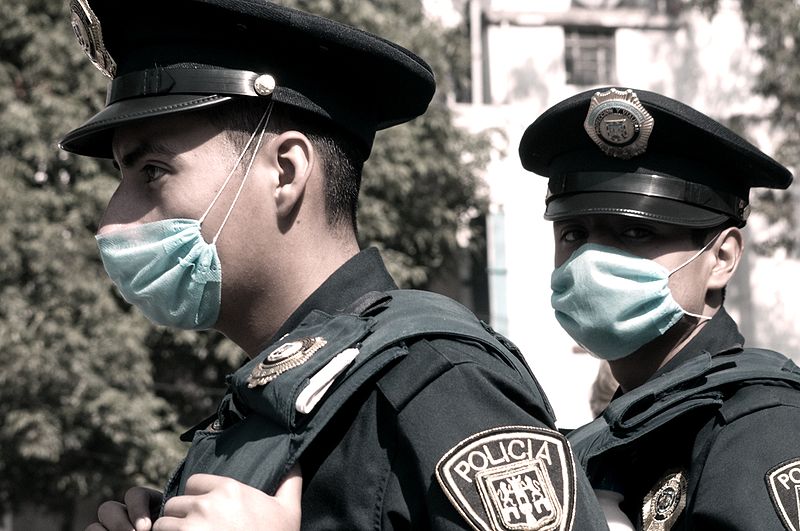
132 157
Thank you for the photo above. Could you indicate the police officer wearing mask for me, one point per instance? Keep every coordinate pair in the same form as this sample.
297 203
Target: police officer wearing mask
647 197
240 128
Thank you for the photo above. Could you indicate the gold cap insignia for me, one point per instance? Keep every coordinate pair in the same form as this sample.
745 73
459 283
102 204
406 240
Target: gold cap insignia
664 503
285 357
618 123
87 30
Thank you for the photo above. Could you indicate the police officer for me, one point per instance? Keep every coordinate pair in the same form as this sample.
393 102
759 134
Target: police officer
647 197
240 128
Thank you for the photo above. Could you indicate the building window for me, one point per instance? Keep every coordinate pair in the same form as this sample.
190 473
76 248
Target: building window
589 56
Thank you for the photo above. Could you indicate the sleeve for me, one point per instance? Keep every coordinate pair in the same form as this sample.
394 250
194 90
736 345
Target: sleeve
475 450
751 476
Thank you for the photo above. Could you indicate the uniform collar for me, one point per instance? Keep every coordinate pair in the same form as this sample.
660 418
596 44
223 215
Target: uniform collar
719 335
363 273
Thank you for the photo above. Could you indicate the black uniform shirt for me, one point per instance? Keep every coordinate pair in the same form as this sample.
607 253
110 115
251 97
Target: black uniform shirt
374 464
741 462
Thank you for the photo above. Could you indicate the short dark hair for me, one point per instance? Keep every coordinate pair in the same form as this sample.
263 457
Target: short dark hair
341 161
700 237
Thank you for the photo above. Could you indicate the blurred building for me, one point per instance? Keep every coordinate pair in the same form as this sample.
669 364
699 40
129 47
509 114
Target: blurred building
528 55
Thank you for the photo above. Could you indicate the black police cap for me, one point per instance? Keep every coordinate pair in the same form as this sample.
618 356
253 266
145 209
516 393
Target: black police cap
640 154
173 56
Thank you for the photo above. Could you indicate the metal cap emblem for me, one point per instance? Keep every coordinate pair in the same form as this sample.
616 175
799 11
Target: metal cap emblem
511 478
783 484
664 503
618 123
87 30
285 357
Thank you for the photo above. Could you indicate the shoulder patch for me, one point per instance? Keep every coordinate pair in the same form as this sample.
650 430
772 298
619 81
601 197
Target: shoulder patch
519 478
783 484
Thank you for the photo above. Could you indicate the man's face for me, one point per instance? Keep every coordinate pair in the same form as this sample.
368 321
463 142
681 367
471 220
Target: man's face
668 245
173 167
170 168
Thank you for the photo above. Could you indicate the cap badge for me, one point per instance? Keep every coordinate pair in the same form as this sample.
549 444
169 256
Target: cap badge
618 123
664 503
87 30
518 478
783 484
285 357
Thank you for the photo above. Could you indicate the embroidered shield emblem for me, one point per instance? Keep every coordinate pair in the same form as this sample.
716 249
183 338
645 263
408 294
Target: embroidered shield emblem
517 478
783 484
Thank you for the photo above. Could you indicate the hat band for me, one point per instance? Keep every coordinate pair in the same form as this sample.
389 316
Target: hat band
160 81
650 185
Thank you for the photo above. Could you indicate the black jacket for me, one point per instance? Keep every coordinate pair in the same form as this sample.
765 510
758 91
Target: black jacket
416 435
709 442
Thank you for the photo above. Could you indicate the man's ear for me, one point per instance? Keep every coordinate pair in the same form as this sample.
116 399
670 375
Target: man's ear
727 253
294 158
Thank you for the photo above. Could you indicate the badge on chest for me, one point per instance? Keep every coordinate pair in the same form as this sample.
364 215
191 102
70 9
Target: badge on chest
665 502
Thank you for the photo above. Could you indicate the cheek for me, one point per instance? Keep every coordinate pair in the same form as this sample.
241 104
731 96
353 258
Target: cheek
688 287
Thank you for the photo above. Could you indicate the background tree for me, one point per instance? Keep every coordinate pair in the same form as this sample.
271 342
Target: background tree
775 27
91 394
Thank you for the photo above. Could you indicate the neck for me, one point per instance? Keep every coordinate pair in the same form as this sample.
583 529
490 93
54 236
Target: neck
279 285
635 369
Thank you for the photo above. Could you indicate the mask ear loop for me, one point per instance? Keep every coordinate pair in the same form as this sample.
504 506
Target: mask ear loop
260 130
687 262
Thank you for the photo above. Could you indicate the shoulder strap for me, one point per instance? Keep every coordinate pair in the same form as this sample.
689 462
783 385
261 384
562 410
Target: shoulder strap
702 382
408 316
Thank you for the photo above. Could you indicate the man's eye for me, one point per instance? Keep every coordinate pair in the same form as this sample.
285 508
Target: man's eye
153 173
573 235
637 233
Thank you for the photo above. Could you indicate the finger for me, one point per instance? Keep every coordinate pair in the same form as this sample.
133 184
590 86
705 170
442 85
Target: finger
178 506
291 487
114 516
142 503
198 484
167 523
95 527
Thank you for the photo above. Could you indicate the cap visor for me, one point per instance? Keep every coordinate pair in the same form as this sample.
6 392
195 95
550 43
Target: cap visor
633 205
93 138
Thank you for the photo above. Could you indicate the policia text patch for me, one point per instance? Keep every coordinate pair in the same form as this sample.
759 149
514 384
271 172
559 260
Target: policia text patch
518 478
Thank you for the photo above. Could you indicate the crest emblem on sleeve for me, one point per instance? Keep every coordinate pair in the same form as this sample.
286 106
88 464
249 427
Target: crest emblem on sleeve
519 478
783 484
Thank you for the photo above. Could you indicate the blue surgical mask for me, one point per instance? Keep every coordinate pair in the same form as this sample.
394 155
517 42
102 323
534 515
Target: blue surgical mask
613 303
166 268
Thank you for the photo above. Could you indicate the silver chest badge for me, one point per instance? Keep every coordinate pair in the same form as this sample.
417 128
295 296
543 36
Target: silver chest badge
87 30
664 503
285 357
618 123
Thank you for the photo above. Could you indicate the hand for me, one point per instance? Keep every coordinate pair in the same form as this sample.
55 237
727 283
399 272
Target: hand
137 513
216 502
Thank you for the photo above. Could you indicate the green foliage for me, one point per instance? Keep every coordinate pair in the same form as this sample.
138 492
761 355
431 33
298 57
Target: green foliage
776 26
91 395
422 181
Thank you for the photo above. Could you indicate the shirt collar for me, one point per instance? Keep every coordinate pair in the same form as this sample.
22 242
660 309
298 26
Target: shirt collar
361 274
718 336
